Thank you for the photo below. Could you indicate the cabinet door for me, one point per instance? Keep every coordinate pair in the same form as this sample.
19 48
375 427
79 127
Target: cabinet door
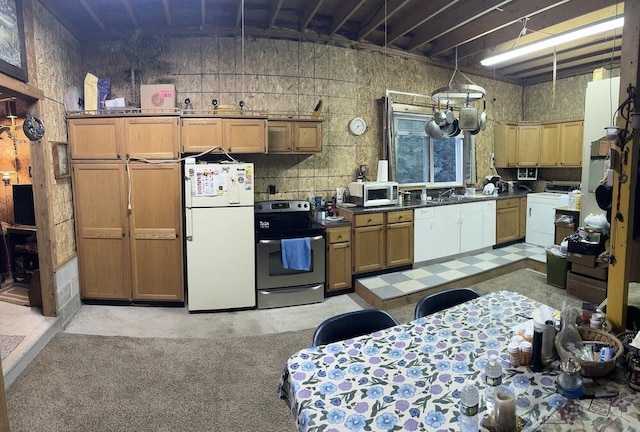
96 138
507 224
279 136
399 241
339 266
307 136
505 145
100 197
523 218
152 137
156 224
198 135
446 230
471 222
368 248
571 144
528 145
549 144
244 135
424 248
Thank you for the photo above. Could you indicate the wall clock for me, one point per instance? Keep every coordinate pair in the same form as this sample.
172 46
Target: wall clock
357 126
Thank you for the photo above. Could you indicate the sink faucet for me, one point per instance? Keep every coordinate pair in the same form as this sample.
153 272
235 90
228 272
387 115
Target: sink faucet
442 194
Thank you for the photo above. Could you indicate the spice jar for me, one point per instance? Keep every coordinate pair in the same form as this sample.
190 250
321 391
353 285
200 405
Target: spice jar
634 372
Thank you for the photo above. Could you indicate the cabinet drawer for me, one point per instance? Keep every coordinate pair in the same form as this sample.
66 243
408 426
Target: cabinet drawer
507 203
339 235
400 216
372 219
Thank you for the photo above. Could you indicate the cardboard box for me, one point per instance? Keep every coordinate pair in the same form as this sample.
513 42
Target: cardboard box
158 97
586 288
596 272
585 260
600 74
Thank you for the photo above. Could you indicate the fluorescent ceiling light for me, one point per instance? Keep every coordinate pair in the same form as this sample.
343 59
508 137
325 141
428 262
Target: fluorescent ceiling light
553 41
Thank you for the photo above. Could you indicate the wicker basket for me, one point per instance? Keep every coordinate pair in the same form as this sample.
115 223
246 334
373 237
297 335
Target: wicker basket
593 368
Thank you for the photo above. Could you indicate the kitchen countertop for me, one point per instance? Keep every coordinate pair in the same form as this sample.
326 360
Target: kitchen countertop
419 204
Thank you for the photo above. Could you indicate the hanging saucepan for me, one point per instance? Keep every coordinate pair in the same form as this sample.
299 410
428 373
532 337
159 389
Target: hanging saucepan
450 116
440 117
482 120
433 130
604 196
452 129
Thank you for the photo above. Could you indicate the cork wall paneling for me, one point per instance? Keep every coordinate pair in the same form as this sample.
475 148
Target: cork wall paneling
568 104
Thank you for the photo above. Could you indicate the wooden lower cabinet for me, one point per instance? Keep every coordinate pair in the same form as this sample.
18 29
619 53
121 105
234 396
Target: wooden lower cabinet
507 220
338 258
399 238
381 240
129 254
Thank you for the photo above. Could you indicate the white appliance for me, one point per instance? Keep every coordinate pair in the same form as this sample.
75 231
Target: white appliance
220 235
370 194
541 214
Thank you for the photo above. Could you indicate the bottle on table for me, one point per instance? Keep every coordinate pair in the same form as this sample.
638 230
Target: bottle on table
469 404
535 365
492 379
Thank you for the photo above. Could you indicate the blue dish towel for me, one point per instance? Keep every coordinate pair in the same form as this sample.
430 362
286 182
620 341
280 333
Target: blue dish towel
296 253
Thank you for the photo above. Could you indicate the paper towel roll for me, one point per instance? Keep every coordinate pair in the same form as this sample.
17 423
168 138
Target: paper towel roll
383 171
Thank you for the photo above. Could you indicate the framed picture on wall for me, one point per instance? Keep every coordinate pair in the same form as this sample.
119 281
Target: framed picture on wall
60 152
13 61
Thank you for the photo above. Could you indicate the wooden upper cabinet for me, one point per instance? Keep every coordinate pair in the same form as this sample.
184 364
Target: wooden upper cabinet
549 144
244 135
200 134
505 145
152 137
115 138
295 136
528 145
571 135
96 138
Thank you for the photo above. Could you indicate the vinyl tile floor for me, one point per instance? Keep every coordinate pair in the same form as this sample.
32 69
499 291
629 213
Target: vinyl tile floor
398 284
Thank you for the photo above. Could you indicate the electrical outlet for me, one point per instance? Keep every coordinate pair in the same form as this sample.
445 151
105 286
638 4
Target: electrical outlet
492 160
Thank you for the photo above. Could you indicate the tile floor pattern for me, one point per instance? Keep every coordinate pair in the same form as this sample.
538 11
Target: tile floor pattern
402 283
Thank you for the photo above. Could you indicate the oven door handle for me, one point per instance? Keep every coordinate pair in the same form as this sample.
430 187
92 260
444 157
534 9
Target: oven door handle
290 290
279 241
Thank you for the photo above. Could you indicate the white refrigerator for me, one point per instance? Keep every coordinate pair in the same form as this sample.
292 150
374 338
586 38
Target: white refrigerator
220 235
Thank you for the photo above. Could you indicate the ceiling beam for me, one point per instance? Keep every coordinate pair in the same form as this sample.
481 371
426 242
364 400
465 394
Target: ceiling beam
585 69
308 14
93 15
203 13
572 13
576 52
343 12
512 13
456 17
167 12
598 59
380 16
273 13
132 16
416 16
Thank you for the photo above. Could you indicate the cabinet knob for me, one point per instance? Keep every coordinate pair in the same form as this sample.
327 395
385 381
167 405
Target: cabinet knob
340 236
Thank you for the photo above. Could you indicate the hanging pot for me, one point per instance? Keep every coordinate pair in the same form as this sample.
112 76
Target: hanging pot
452 129
604 196
433 130
440 117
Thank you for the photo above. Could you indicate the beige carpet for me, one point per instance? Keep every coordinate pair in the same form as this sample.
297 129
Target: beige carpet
99 383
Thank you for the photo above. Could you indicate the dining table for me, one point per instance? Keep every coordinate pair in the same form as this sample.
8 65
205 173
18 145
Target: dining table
409 377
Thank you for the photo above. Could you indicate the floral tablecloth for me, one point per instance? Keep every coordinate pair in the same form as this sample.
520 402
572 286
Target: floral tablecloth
409 377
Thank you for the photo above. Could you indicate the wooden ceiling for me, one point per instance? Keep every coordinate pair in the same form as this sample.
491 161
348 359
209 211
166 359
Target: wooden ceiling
438 31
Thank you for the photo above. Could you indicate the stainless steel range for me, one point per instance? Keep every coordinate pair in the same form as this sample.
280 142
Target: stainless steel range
276 285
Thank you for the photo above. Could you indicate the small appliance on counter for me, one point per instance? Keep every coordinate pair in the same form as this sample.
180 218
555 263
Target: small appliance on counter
371 194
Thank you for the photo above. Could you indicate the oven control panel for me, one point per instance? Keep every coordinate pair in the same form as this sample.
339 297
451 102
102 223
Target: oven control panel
281 206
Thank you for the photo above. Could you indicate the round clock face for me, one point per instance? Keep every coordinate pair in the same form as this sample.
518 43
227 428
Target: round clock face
357 126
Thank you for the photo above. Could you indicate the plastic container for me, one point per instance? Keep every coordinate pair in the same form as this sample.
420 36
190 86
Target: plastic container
469 406
557 267
492 379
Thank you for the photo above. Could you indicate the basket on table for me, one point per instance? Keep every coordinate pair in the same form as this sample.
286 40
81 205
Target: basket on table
593 368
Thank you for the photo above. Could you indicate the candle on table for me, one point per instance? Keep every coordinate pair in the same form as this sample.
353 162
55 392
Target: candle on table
505 409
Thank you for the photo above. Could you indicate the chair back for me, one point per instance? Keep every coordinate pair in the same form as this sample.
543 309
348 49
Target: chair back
441 300
352 324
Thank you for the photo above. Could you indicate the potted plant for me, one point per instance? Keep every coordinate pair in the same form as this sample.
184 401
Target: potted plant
143 53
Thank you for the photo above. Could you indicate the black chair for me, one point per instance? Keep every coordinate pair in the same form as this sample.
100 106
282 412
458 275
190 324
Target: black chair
436 302
352 324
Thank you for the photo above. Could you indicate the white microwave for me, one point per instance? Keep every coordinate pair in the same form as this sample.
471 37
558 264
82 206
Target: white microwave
370 194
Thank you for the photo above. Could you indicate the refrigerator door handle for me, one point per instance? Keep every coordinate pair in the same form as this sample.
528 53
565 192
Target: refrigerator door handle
187 192
188 216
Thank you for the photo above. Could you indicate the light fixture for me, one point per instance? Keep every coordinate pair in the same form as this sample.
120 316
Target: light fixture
554 41
6 167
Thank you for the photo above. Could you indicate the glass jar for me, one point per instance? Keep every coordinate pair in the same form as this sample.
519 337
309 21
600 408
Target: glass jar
634 372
